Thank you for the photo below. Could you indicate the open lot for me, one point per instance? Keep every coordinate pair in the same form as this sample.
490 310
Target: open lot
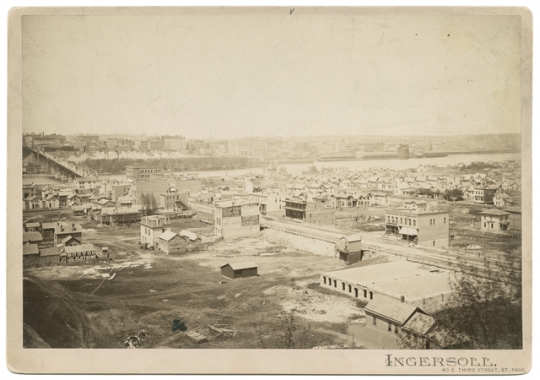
100 303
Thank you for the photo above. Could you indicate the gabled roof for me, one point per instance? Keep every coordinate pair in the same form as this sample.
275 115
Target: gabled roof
68 238
168 235
190 235
242 265
391 309
420 323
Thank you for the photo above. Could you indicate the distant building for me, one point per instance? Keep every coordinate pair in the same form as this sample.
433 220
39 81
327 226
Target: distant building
269 204
426 228
239 270
494 221
174 143
484 195
236 218
172 200
76 253
247 147
308 211
154 144
135 172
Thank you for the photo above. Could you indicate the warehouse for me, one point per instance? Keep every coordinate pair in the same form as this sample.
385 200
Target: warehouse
416 284
239 270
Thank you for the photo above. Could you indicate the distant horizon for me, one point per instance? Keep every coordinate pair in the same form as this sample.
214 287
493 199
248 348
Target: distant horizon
276 136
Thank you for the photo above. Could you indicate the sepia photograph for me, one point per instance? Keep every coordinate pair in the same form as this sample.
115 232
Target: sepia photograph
340 190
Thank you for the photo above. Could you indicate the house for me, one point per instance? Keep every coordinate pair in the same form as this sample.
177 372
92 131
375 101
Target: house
63 230
47 232
239 270
389 315
379 199
426 228
69 241
173 200
494 221
152 227
51 202
503 200
120 215
33 226
171 243
514 217
350 248
76 253
484 195
269 204
48 256
236 218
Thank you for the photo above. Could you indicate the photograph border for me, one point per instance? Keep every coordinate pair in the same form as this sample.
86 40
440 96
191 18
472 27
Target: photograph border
243 361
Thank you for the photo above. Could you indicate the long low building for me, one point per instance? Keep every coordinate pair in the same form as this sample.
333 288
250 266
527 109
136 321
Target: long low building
415 284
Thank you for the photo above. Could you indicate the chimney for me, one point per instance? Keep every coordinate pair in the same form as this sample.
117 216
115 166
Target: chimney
402 299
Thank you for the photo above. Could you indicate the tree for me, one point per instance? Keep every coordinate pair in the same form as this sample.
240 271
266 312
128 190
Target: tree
149 203
486 304
313 169
288 334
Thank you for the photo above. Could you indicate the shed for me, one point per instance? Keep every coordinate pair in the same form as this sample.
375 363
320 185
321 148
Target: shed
170 242
30 227
32 237
350 248
239 270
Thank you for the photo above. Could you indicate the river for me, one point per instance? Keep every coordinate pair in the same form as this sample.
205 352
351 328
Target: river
351 165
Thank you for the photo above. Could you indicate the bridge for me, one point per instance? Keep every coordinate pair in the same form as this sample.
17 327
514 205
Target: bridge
61 169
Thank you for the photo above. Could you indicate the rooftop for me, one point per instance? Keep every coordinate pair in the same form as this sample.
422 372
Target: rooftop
401 278
420 323
494 212
393 309
79 248
235 202
167 235
30 249
242 265
32 236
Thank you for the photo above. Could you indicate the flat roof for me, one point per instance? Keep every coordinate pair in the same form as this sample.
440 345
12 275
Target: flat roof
414 211
235 202
400 278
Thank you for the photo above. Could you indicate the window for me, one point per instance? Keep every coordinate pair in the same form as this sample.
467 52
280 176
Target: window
414 222
444 220
335 283
484 224
342 286
324 280
396 331
365 293
390 327
434 243
434 221
370 295
350 289
374 321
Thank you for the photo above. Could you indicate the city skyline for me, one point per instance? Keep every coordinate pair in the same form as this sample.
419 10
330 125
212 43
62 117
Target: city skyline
298 76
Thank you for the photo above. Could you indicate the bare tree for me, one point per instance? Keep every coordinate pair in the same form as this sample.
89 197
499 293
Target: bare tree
486 304
288 334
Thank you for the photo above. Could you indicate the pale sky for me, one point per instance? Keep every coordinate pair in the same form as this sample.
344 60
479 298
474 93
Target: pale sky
235 76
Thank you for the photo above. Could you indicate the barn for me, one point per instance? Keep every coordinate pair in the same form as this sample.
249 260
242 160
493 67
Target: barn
239 270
